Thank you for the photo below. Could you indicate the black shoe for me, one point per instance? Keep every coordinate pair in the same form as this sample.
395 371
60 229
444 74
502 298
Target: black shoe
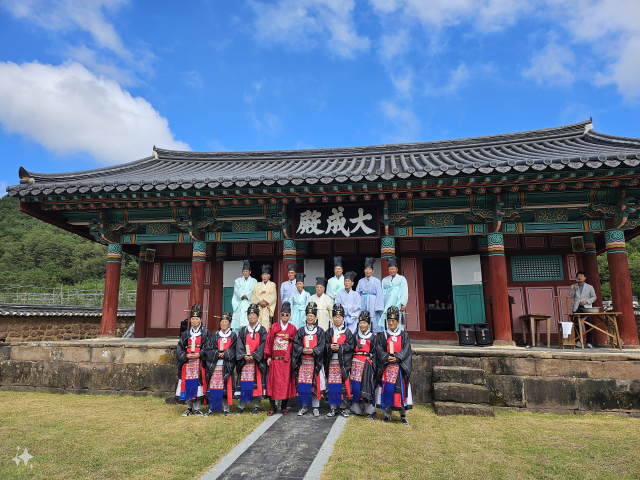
371 416
255 410
208 414
187 413
332 413
241 411
198 412
345 413
226 414
386 419
404 421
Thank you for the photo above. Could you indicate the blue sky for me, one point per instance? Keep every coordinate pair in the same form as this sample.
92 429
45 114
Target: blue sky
88 84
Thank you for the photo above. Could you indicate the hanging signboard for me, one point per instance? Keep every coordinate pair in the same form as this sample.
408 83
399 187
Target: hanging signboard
335 221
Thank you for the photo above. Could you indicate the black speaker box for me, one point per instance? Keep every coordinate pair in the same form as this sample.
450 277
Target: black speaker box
466 334
483 335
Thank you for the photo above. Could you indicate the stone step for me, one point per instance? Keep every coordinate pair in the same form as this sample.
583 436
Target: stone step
460 392
473 376
454 408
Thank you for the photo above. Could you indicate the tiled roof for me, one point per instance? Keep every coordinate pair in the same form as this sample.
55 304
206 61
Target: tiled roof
9 309
560 148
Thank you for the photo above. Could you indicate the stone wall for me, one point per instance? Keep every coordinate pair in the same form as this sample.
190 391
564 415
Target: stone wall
561 381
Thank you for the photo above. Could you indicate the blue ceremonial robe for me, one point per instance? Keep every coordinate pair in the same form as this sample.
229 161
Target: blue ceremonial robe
370 289
286 289
241 287
395 292
298 303
352 304
334 286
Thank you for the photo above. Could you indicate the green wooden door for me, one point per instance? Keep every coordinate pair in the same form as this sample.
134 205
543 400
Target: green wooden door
468 304
227 295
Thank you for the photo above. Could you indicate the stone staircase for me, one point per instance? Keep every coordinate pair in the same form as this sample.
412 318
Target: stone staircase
460 391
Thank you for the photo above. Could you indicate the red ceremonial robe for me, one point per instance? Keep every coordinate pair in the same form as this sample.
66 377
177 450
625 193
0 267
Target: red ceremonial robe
280 382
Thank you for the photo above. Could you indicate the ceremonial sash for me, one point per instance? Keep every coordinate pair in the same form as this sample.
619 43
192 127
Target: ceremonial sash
335 374
306 373
192 372
248 373
390 375
216 385
357 367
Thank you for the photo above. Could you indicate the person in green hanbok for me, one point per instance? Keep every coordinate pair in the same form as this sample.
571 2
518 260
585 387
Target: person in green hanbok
299 300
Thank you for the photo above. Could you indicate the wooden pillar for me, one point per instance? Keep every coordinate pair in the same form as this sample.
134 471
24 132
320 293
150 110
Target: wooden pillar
111 290
486 281
140 328
492 246
590 267
198 258
387 249
621 286
289 255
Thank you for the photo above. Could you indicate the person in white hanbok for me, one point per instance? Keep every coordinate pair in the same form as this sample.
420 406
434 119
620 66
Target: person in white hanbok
370 289
289 285
336 283
242 289
324 303
395 292
350 301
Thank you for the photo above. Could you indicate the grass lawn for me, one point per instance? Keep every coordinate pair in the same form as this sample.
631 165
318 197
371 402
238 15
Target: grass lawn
94 436
513 445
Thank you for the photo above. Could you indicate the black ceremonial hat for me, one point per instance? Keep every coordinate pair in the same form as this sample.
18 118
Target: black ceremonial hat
246 265
285 308
266 269
253 308
321 281
364 317
300 277
392 261
311 308
337 262
368 262
226 315
338 310
393 313
292 267
196 311
351 276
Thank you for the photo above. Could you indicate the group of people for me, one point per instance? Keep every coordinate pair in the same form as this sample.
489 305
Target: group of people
370 294
352 370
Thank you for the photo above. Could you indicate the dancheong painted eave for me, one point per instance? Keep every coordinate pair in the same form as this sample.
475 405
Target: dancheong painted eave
570 147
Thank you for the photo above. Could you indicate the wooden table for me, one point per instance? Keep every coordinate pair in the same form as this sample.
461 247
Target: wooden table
607 319
534 320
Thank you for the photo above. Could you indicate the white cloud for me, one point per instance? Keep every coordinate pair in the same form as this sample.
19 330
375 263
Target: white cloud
193 79
457 79
405 121
302 24
68 15
3 189
403 82
552 65
67 109
268 123
392 46
102 66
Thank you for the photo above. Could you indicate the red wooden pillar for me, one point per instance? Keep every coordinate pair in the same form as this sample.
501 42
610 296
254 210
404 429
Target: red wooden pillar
492 246
590 267
621 286
111 290
486 282
140 328
196 292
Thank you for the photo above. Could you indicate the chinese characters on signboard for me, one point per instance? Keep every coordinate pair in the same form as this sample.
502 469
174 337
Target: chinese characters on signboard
351 221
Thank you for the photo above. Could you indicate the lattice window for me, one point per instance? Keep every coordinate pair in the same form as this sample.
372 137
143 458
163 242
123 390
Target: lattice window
537 268
176 273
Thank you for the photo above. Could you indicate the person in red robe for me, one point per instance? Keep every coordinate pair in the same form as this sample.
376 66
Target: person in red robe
281 384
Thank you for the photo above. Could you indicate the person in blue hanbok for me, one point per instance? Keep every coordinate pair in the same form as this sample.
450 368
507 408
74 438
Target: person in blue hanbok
299 300
350 301
289 285
395 292
370 289
242 289
336 283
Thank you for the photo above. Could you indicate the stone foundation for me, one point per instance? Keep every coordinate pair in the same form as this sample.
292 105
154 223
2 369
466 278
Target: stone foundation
542 380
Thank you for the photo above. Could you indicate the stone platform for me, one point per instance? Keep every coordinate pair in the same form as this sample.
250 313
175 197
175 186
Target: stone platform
544 379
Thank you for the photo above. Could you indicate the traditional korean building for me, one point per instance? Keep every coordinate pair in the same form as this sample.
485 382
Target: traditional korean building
475 222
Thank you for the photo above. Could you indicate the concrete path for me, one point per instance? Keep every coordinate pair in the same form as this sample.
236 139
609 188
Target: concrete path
282 447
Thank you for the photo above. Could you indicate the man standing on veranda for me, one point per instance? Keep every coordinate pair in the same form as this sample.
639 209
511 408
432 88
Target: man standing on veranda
395 292
370 289
288 286
324 303
265 294
583 296
242 290
336 283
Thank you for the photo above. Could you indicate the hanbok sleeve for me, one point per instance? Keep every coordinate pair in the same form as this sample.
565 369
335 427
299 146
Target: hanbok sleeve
296 352
258 354
404 356
241 349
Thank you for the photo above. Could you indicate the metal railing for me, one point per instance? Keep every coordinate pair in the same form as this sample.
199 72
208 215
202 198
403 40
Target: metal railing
32 295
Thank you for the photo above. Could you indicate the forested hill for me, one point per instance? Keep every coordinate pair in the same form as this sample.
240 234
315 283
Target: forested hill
33 252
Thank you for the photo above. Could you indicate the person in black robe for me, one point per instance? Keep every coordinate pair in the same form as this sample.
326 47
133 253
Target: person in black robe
338 353
251 366
220 372
363 368
393 357
192 355
306 362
